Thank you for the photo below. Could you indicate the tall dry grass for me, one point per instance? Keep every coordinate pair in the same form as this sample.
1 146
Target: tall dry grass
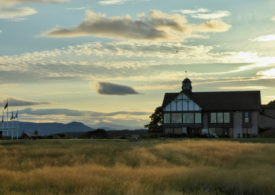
147 167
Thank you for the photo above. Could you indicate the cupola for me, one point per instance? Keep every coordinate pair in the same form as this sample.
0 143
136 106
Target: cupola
186 85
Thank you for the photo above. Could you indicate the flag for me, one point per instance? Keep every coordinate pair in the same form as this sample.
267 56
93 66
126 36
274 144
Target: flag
7 104
16 115
12 117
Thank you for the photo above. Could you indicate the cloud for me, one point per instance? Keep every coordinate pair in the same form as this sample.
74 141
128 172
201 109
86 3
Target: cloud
129 119
70 112
13 101
243 88
8 9
98 60
270 73
213 26
189 11
114 89
273 18
124 61
76 8
265 38
205 14
157 26
111 2
16 13
14 2
211 16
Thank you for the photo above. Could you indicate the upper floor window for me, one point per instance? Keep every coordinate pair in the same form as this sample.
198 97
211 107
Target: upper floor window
246 117
219 117
226 117
213 117
182 103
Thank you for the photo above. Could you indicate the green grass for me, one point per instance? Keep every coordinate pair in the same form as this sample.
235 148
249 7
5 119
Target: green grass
157 166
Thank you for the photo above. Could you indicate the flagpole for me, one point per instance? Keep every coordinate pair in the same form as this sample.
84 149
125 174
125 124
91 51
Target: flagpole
7 113
3 120
17 125
11 126
3 123
17 116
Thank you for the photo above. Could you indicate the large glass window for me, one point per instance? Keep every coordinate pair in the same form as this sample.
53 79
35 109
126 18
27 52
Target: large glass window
220 117
184 118
176 118
226 117
197 117
190 117
166 118
213 117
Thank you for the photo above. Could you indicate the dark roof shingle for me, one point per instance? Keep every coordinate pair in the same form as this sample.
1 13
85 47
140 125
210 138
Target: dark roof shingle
219 101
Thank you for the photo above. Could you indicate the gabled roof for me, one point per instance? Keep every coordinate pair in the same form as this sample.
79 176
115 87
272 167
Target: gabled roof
169 97
219 101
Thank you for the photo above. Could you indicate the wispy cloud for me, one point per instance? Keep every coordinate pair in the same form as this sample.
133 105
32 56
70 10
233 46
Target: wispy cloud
205 14
132 119
9 9
70 112
14 101
270 73
104 88
76 8
121 61
243 88
192 11
14 2
265 38
16 14
211 16
157 26
111 2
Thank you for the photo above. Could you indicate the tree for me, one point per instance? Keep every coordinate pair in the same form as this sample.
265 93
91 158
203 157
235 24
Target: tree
35 132
271 103
155 125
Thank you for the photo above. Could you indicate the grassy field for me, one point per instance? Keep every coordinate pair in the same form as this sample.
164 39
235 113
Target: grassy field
187 166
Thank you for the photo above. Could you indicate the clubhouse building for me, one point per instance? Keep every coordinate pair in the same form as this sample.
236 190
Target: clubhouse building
223 114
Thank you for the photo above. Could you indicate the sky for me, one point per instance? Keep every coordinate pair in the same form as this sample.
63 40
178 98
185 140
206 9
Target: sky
108 63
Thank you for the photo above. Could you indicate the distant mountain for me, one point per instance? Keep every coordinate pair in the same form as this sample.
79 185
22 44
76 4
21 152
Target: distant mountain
53 128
